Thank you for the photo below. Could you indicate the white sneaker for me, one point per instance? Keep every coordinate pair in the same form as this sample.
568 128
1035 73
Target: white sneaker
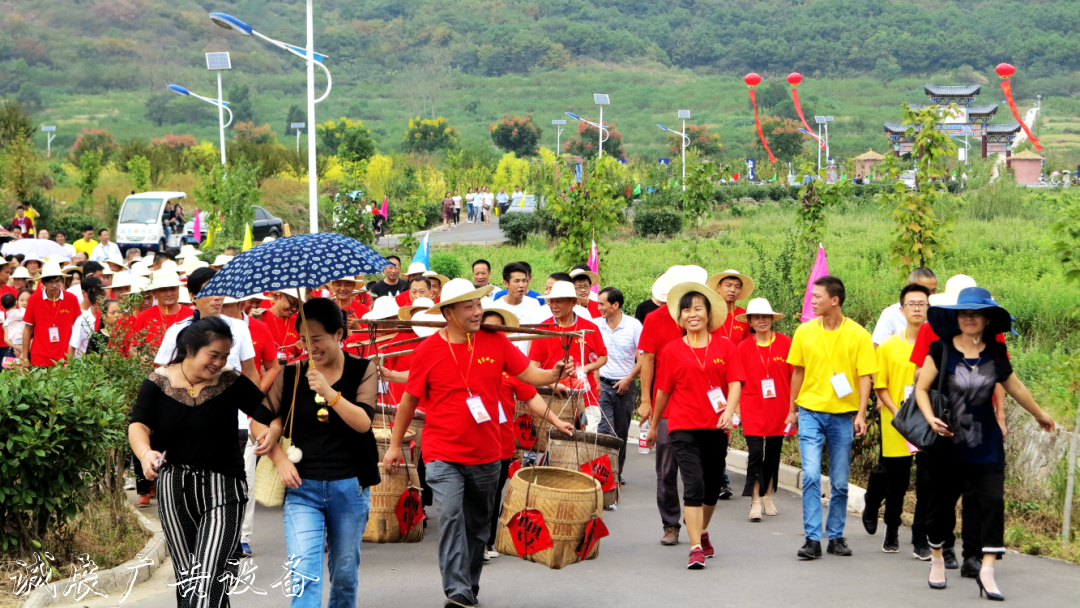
491 554
129 483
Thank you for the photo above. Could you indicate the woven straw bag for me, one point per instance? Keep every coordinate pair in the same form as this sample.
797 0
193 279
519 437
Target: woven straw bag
269 489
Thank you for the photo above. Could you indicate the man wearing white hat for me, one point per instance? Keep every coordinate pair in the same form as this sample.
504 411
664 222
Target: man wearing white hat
344 290
455 378
121 286
49 318
659 288
116 264
155 321
589 353
391 285
105 249
188 251
220 261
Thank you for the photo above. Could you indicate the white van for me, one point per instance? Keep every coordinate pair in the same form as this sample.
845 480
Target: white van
140 222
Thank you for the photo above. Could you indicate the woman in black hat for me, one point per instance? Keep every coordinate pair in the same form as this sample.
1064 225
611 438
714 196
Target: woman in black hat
971 457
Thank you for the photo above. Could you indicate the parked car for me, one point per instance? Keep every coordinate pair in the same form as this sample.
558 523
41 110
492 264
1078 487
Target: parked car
263 225
529 207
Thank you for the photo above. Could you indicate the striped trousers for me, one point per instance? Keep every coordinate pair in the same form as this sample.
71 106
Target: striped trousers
201 512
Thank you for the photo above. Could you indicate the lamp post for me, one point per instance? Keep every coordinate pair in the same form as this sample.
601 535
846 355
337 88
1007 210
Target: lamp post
558 136
50 132
684 114
601 99
223 106
298 126
218 62
312 59
600 126
823 120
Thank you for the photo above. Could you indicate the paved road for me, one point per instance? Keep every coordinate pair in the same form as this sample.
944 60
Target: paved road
465 234
755 566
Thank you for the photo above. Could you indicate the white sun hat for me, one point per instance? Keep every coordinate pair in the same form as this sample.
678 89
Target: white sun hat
191 264
122 280
188 251
115 259
953 287
222 260
416 268
561 289
164 279
49 270
593 277
427 315
139 284
185 296
384 308
169 266
21 273
758 306
140 269
407 312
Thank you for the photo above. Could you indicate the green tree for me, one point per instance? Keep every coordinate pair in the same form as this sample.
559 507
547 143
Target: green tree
697 203
585 211
349 139
15 124
516 134
233 197
98 140
240 103
815 198
139 170
170 109
785 139
89 174
428 135
701 141
586 143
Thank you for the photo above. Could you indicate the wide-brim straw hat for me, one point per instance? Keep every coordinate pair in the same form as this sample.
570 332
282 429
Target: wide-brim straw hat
594 278
718 308
72 268
660 285
385 308
943 319
416 268
191 264
443 279
169 266
140 269
122 280
406 313
676 275
459 290
139 284
115 259
21 273
185 296
509 318
188 251
758 306
561 289
164 279
953 287
747 282
222 260
49 270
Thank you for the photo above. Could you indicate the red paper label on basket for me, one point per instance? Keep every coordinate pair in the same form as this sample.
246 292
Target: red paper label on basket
573 382
529 532
601 470
594 531
409 510
526 432
514 468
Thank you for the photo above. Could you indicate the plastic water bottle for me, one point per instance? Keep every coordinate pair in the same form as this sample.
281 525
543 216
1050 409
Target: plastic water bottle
643 445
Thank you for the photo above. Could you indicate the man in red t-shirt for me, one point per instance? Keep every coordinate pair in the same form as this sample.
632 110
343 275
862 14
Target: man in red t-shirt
49 319
23 223
584 280
733 286
456 375
281 321
419 287
589 353
345 295
156 320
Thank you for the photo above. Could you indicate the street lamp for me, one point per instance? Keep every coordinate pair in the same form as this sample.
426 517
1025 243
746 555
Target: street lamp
51 130
600 126
218 62
601 100
823 120
312 59
558 136
223 106
684 114
297 126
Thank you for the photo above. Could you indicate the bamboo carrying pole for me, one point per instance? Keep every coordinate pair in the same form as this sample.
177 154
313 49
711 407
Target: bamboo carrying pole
486 326
411 340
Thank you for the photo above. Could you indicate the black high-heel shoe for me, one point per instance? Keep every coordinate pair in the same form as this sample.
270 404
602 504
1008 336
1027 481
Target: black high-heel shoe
937 586
990 595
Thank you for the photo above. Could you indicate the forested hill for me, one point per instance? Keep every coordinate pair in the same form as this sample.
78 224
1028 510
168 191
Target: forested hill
91 46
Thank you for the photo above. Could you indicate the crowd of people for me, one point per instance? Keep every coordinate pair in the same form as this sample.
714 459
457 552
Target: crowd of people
705 364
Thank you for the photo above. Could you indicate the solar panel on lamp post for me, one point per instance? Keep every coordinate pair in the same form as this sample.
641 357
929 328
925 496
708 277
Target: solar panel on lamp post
50 132
218 62
685 144
297 126
311 58
601 99
558 136
223 106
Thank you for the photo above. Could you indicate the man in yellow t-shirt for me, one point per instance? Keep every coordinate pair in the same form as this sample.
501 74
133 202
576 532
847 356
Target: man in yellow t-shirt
833 359
87 243
889 482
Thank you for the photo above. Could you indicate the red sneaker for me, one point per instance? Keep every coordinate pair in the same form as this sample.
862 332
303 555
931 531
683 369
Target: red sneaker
697 559
144 500
153 489
706 546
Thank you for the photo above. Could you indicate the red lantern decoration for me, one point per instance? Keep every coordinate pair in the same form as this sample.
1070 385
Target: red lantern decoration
752 79
1006 71
794 79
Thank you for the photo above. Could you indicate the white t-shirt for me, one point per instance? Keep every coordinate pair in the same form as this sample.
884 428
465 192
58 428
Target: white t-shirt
81 332
890 323
489 200
470 198
457 201
242 350
69 250
524 311
104 251
13 325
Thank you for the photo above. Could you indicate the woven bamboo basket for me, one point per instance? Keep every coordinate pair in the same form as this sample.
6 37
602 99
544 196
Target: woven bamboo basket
568 500
384 442
566 452
385 414
382 525
564 407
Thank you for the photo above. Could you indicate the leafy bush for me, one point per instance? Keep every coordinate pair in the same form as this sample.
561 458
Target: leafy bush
776 192
721 194
432 214
447 265
758 193
669 199
516 134
71 224
517 226
427 135
546 225
649 222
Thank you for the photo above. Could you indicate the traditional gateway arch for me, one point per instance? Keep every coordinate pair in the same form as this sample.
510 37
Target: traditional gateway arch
970 120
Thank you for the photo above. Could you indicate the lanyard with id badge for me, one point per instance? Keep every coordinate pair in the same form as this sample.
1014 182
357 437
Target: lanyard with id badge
715 394
768 385
474 402
839 380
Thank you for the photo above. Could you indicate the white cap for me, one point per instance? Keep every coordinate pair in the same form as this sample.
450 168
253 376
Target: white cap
416 268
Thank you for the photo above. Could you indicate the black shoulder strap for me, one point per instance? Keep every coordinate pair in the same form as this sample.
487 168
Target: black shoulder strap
945 345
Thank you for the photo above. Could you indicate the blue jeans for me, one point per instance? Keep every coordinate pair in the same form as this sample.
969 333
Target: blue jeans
472 212
315 512
835 433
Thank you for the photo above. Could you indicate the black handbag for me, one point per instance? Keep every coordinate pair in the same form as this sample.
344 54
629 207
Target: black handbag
911 423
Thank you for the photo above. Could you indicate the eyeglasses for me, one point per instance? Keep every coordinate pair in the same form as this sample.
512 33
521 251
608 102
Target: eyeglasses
917 305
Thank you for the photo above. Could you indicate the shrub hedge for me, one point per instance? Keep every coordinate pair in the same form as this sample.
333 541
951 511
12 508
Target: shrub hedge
649 222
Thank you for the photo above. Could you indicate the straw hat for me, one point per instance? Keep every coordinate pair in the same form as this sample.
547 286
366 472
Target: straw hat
169 266
943 318
70 268
460 290
747 282
164 279
49 270
561 289
953 287
21 273
424 332
660 285
122 280
443 279
384 308
188 251
758 306
718 311
292 294
139 284
676 275
593 277
269 239
107 270
416 268
185 296
115 259
406 312
222 260
191 264
140 269
508 317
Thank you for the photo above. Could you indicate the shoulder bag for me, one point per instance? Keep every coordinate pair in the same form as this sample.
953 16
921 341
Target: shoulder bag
911 423
269 489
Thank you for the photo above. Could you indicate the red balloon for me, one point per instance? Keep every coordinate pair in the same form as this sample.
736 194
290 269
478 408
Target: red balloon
753 79
794 78
1005 70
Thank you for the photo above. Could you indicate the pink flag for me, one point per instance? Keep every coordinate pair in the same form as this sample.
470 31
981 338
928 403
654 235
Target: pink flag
384 209
821 268
594 264
198 227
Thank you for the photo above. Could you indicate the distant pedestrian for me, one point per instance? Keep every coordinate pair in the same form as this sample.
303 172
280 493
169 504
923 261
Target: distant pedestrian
503 200
470 205
488 206
457 207
447 210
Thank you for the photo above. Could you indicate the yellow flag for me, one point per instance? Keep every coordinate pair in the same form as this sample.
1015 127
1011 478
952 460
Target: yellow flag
521 205
209 237
247 237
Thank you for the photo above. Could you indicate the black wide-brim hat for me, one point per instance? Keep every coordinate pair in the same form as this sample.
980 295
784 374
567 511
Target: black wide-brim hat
943 319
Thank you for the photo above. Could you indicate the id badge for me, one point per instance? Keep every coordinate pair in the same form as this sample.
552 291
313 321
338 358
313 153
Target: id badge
282 356
841 385
502 415
768 388
907 391
476 407
54 334
717 399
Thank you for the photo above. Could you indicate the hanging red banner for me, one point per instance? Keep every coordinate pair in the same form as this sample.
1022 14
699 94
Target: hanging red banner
1006 71
794 79
752 80
409 511
526 432
515 466
529 532
594 531
600 469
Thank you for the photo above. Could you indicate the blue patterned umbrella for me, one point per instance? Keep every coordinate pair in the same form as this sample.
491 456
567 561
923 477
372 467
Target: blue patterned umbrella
307 260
